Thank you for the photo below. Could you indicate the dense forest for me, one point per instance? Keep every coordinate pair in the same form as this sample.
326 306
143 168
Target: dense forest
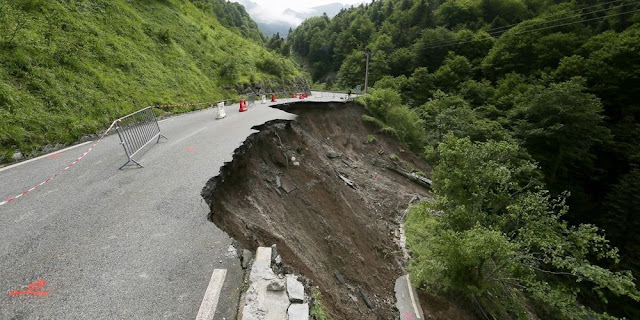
529 112
69 68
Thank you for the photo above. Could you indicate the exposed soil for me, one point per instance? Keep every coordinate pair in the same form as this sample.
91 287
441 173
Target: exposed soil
284 186
439 308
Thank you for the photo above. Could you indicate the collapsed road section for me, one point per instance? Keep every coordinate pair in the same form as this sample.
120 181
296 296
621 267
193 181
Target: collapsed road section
330 192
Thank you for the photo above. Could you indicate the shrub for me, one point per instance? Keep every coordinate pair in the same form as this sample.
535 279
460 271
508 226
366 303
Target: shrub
386 106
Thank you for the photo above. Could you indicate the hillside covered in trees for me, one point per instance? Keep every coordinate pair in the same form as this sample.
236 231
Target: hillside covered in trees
529 112
69 68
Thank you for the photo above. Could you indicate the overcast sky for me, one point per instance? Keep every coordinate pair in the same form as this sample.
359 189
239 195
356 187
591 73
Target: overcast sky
278 6
271 10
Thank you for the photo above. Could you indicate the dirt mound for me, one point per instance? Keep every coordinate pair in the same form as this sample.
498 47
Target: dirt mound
320 188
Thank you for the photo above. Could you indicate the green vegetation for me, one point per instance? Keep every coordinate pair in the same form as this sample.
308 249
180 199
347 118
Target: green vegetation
496 235
318 311
370 139
388 112
69 68
532 123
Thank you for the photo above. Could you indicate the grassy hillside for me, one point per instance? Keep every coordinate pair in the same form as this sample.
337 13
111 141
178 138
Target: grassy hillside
69 68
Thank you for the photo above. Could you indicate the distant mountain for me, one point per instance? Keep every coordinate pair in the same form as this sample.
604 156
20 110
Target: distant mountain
289 18
331 10
272 28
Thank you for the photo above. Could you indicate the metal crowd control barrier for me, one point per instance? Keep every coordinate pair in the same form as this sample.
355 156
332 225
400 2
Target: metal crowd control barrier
136 131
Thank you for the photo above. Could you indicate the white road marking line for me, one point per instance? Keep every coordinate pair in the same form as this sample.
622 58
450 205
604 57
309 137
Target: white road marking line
175 142
193 134
413 300
44 156
211 296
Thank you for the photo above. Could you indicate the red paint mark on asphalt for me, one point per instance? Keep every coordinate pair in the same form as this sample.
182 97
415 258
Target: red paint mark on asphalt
190 148
53 155
32 289
409 316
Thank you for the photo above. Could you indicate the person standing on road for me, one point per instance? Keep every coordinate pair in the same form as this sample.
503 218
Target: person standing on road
349 95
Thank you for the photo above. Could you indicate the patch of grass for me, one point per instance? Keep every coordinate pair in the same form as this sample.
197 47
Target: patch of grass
394 157
318 310
370 139
420 173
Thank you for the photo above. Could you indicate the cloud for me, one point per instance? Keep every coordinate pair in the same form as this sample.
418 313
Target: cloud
275 11
259 14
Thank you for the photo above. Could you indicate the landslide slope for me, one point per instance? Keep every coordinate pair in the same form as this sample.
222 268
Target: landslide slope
69 68
287 185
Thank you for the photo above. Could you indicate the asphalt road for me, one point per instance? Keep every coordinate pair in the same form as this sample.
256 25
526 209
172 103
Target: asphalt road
102 243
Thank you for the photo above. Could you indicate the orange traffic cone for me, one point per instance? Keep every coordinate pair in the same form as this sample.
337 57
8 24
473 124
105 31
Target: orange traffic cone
273 98
243 105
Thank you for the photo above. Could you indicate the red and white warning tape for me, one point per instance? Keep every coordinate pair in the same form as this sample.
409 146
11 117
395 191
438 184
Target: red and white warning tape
189 104
24 193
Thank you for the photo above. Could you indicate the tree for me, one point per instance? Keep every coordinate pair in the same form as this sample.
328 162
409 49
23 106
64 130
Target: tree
511 11
478 93
560 125
450 114
623 202
352 70
611 71
473 45
401 62
528 47
453 71
459 12
494 235
621 223
421 86
429 50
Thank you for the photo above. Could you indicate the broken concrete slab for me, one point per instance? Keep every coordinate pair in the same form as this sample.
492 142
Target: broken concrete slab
260 303
295 289
298 311
407 299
